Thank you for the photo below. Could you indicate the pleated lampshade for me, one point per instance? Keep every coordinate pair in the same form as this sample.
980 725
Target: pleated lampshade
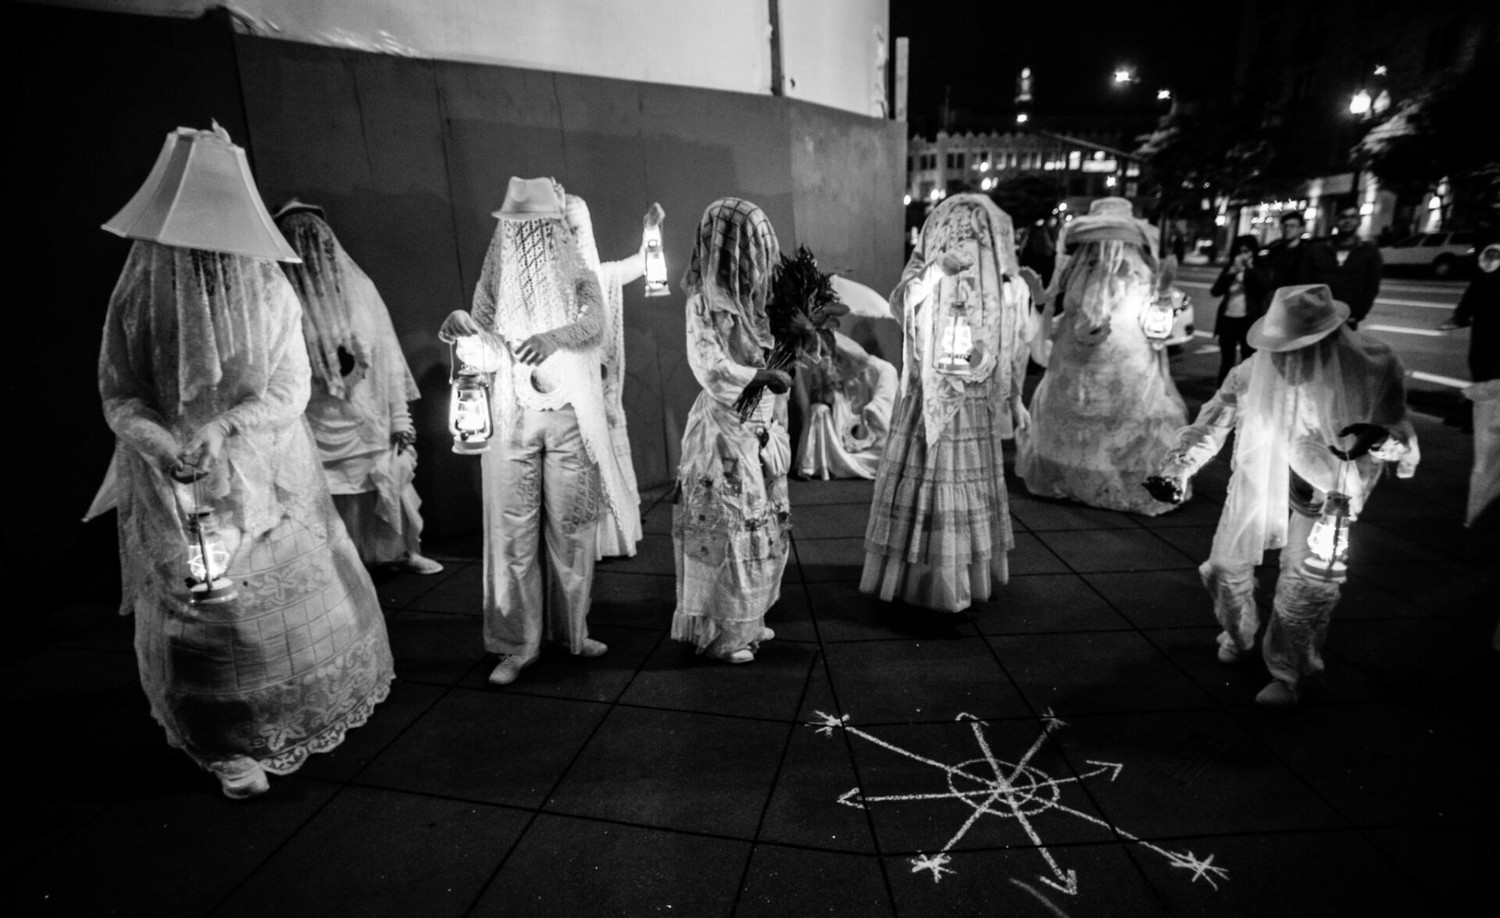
201 195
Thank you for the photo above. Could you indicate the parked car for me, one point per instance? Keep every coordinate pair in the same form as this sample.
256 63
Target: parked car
1441 253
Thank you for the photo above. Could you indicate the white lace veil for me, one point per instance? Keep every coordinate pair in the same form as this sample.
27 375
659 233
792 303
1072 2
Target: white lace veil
324 283
973 225
732 262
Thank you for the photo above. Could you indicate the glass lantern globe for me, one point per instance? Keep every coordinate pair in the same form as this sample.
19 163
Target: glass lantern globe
1329 541
656 259
469 416
955 341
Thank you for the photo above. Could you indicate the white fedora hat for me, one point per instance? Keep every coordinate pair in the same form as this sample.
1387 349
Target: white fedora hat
1298 316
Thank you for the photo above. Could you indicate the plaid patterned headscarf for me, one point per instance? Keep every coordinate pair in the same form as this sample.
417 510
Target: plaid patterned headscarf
737 251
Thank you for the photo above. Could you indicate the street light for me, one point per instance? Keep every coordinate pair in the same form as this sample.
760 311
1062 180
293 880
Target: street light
1163 95
1124 76
1022 117
1360 103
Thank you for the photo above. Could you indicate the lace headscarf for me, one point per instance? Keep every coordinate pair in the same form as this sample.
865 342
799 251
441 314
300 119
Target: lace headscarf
973 225
1100 279
324 283
198 313
1293 408
733 258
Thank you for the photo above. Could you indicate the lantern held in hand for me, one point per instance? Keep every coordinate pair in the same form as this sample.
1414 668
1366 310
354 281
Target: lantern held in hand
1329 540
1158 318
955 337
207 558
469 405
656 259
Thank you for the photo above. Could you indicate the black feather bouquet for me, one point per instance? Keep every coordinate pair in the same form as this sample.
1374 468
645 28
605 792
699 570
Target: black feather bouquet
803 310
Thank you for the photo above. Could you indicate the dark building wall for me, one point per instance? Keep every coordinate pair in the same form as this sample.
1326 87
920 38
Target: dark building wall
409 157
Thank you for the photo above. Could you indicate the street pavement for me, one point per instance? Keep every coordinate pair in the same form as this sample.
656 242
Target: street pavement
1406 316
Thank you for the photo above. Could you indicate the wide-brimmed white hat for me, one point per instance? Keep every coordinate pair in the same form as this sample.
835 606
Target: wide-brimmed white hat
1298 316
532 199
1112 218
201 195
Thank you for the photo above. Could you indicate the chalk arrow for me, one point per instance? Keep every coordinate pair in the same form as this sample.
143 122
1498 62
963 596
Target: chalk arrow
1068 886
850 797
967 716
1105 766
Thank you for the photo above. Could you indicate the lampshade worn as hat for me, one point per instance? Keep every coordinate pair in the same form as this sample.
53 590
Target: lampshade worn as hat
294 206
1298 316
201 195
1112 218
532 199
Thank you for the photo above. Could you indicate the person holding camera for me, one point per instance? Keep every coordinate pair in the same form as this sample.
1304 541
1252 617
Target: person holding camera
1242 287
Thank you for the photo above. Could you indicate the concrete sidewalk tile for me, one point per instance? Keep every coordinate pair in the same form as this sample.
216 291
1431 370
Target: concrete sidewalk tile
1136 549
804 808
830 521
852 491
654 554
1442 588
416 855
1194 650
1031 556
1455 866
1336 872
560 674
1095 671
1018 882
461 592
408 701
1046 602
845 614
189 847
1045 514
1385 764
786 881
633 600
825 560
490 747
398 589
432 647
1188 773
675 770
1156 599
921 680
676 677
564 868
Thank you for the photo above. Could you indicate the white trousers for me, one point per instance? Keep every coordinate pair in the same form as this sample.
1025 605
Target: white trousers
540 489
1300 612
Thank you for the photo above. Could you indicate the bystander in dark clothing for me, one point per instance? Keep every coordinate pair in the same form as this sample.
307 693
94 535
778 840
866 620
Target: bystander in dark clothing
1347 264
1243 288
1285 260
1479 310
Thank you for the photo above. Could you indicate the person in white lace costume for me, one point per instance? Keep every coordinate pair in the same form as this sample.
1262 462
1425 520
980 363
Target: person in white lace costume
203 366
618 532
939 535
361 385
849 412
1106 410
1318 408
731 519
538 316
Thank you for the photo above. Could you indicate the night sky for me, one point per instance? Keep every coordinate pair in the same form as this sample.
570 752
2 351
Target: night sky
977 48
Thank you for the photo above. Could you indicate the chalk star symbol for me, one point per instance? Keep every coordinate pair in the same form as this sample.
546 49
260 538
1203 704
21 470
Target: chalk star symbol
1202 868
937 863
1015 790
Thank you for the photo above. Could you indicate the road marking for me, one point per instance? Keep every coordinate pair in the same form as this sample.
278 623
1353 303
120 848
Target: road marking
1401 330
1420 304
1440 380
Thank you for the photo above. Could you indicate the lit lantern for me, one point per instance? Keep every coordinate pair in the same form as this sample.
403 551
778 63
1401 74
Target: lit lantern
956 337
208 559
1158 318
1329 540
469 406
656 259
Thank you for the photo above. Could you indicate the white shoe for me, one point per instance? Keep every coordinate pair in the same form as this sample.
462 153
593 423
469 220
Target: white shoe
593 648
743 655
1230 655
509 667
419 564
241 777
766 634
